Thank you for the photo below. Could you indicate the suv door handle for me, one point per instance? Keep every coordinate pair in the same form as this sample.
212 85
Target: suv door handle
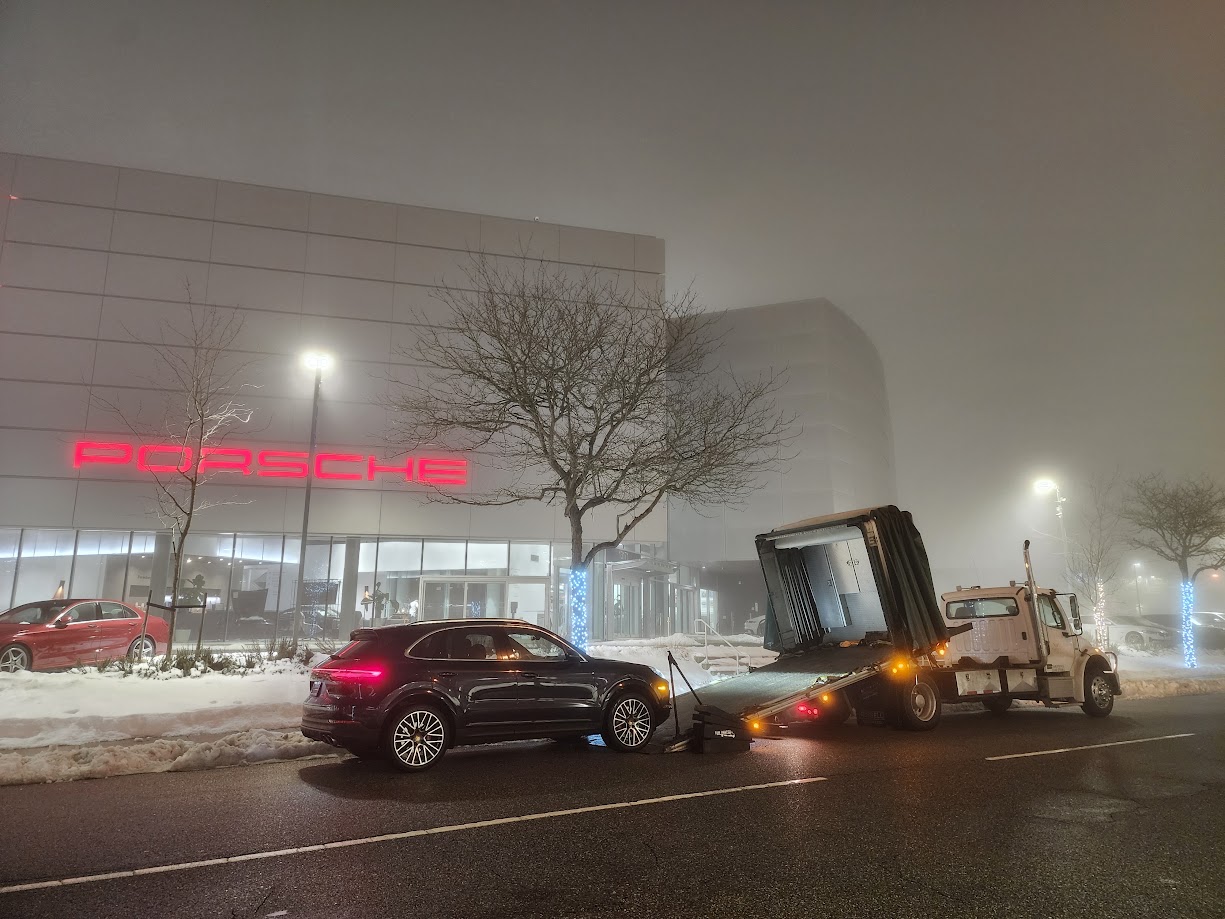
530 676
446 673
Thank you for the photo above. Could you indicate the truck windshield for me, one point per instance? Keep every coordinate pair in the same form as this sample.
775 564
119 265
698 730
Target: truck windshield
982 608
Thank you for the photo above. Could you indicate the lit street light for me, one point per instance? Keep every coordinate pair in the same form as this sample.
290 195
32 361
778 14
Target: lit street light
1136 566
317 361
1045 487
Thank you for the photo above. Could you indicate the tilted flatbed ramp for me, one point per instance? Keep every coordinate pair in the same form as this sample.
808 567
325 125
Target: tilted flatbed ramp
791 677
844 593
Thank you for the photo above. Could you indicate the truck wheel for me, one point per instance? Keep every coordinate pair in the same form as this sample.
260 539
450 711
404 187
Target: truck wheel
920 705
997 705
1099 697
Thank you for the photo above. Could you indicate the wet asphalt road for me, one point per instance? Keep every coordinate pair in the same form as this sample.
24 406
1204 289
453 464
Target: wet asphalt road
901 825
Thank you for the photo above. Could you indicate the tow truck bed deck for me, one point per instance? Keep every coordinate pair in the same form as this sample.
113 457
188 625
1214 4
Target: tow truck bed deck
791 676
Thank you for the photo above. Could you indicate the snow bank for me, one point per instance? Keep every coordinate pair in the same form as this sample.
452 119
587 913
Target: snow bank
238 749
1145 675
41 709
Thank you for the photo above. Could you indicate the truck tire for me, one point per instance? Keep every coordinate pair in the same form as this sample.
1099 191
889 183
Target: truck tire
919 705
1099 697
997 705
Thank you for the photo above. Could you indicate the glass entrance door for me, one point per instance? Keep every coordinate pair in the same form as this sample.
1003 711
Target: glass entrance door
463 599
442 600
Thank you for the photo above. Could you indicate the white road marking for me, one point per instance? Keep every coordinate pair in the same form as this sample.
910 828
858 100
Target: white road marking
407 834
1092 746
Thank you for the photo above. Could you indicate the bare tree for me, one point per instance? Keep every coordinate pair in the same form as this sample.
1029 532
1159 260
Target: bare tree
1182 522
1094 548
587 394
198 380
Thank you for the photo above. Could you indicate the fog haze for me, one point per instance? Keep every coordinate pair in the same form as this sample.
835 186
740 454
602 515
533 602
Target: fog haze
1022 204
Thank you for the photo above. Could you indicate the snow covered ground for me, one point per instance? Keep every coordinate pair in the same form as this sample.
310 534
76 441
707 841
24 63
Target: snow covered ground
81 707
85 724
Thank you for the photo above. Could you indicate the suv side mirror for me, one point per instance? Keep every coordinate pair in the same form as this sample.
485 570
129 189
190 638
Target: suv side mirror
60 624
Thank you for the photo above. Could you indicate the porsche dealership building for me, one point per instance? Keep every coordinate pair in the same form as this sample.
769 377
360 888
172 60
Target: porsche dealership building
97 257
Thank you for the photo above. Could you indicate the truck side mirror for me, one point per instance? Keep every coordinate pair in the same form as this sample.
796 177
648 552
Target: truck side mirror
1074 611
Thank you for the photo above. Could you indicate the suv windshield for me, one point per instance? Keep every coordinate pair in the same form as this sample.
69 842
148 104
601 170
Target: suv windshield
33 613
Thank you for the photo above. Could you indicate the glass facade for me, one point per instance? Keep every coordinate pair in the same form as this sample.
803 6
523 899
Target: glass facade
238 587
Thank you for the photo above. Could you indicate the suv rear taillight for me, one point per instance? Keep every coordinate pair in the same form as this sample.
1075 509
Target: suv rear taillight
350 678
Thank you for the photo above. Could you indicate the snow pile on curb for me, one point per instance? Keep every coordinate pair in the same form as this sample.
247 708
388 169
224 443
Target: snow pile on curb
42 709
1145 675
239 749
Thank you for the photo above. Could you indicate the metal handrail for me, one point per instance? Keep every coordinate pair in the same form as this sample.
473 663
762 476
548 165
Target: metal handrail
705 629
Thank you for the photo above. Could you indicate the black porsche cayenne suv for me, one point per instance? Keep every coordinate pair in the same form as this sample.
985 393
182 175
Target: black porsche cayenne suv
411 692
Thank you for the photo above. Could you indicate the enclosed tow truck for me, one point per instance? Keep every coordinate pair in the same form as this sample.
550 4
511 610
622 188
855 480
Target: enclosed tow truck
854 615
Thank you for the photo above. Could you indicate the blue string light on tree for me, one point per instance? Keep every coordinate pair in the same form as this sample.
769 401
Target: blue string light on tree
1188 632
578 608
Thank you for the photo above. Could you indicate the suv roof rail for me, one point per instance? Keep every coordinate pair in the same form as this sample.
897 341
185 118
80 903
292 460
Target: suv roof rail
372 631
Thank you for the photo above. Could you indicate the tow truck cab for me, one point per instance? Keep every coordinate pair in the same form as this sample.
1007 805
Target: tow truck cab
1015 648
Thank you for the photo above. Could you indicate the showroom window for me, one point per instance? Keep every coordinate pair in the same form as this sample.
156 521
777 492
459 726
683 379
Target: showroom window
255 576
9 542
101 564
44 568
487 559
443 557
400 575
529 559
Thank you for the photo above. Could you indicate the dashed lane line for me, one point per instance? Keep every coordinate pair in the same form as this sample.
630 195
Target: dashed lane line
407 834
1092 746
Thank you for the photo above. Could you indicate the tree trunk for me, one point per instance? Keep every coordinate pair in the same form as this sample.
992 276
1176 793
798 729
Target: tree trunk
174 597
1188 606
580 581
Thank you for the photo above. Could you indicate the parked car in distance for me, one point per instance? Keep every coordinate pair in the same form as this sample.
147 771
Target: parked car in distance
755 625
411 692
55 634
1208 628
1135 632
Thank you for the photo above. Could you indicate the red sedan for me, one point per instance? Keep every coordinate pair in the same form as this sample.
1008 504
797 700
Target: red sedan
50 634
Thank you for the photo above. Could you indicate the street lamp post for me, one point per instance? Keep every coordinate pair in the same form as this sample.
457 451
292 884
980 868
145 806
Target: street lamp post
318 362
1139 610
1045 487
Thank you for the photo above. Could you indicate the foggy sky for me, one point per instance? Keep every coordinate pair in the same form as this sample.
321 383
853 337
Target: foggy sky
1022 204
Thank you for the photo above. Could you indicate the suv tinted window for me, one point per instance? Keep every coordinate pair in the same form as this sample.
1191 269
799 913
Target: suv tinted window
533 646
432 647
458 645
354 649
472 644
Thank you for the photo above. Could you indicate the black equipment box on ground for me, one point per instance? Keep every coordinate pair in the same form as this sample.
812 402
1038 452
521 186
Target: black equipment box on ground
717 731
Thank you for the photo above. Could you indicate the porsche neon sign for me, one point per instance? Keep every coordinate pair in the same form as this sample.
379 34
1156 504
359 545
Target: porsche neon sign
270 464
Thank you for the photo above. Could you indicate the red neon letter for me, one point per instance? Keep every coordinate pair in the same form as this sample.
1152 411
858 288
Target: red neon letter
143 464
279 464
322 458
442 471
407 468
89 451
235 460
